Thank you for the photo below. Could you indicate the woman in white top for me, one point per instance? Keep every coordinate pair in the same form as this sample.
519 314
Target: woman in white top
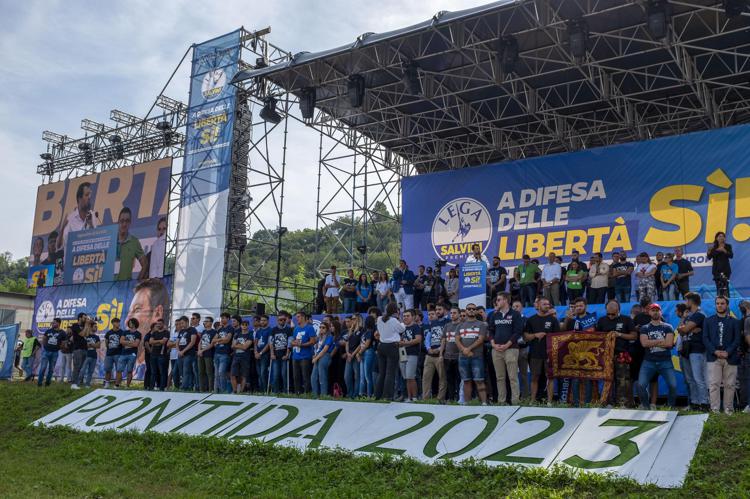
389 333
383 291
644 275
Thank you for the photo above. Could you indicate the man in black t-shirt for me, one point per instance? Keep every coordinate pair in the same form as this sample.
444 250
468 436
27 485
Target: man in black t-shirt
159 355
205 357
78 347
52 340
684 272
622 271
692 331
535 332
657 338
624 330
497 278
280 340
112 344
348 292
187 338
130 340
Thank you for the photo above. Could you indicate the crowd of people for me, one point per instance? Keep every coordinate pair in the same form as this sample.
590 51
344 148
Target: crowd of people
449 354
405 338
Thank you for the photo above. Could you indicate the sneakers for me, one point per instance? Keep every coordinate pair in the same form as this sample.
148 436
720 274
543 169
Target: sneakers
652 407
746 410
75 387
106 384
484 403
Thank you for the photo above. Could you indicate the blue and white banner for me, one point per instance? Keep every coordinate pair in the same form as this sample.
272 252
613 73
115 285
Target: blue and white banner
472 284
201 235
8 339
643 196
90 255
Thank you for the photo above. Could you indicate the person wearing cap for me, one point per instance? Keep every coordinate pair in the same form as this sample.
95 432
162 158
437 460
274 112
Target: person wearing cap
657 338
525 275
722 340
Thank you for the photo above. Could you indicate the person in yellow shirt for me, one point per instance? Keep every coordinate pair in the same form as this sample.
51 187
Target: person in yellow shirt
28 354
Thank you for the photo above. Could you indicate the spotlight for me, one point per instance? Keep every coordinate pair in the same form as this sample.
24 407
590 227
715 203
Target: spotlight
411 79
88 156
166 129
657 18
282 231
362 249
735 8
578 38
269 113
46 156
307 102
507 54
118 148
356 90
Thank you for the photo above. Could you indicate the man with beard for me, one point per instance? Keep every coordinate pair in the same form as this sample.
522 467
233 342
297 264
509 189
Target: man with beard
128 247
536 329
624 330
82 217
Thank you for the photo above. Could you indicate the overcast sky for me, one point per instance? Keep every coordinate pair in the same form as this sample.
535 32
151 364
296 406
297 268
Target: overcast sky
63 61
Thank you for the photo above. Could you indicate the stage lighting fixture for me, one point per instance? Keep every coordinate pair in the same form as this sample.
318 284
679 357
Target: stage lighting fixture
410 79
47 157
578 38
356 90
657 18
735 8
282 230
167 133
118 148
88 156
307 102
507 54
269 113
362 249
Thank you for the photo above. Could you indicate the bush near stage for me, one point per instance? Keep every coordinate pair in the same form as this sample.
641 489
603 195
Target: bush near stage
62 462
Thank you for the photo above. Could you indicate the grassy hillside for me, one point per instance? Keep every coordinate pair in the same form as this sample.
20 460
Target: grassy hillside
60 462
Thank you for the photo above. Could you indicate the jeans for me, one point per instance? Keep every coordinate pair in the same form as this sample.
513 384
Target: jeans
221 367
320 375
387 369
87 370
383 302
49 359
187 370
262 368
301 372
66 365
79 356
698 367
670 292
528 294
349 304
27 364
687 373
366 382
159 371
588 388
176 376
206 373
649 369
351 378
279 375
622 293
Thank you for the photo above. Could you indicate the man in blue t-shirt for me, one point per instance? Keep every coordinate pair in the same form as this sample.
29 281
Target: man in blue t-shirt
222 343
657 338
262 348
52 340
691 331
578 318
303 339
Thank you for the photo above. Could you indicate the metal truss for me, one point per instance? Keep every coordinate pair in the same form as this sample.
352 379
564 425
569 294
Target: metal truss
629 86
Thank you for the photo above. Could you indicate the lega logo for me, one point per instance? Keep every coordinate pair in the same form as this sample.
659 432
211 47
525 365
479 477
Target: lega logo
78 275
213 83
458 225
46 312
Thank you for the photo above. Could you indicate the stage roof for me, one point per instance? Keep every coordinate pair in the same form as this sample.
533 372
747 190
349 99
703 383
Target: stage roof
629 85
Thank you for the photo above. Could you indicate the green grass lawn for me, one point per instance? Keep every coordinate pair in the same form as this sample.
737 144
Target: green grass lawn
61 462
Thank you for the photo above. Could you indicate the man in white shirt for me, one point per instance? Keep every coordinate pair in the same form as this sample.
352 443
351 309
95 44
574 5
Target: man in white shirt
331 291
599 275
82 217
158 251
551 274
477 256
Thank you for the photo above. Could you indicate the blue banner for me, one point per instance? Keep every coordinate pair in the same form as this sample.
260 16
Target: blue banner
472 284
41 276
8 339
645 196
146 300
90 255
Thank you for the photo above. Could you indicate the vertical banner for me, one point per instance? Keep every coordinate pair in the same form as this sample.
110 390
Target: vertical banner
202 227
472 284
8 338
